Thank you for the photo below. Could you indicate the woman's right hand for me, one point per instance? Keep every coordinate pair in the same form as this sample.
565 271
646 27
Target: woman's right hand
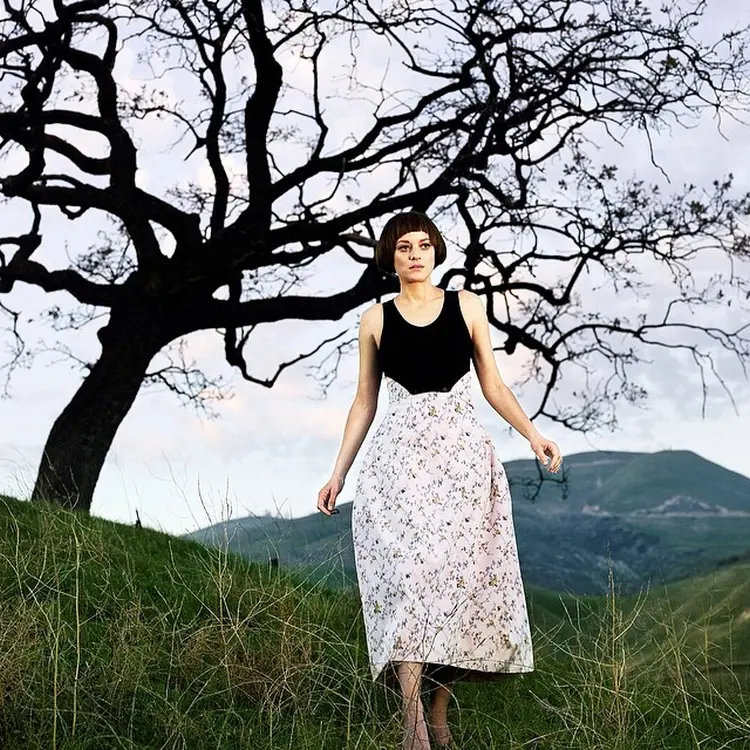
327 495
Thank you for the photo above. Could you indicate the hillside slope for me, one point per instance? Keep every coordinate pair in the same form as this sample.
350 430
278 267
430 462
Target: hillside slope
614 510
112 636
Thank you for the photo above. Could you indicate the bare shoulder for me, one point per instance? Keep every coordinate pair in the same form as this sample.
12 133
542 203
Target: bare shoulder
472 307
371 316
371 319
469 298
369 370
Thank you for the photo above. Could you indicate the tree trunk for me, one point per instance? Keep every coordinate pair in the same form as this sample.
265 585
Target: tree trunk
83 433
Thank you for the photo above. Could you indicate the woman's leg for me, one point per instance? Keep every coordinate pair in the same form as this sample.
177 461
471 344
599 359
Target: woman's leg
438 714
415 727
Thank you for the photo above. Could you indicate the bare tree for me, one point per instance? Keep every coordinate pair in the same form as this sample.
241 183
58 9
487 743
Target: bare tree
502 95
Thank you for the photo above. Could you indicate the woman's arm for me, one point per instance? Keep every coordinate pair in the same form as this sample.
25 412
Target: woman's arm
497 393
362 411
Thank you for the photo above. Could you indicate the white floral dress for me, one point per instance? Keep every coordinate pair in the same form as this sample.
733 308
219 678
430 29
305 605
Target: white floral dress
434 541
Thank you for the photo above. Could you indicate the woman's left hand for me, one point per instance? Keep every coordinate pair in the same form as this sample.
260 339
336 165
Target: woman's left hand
547 450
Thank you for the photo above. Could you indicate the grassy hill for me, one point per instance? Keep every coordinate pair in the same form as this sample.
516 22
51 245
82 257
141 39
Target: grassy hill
651 517
116 637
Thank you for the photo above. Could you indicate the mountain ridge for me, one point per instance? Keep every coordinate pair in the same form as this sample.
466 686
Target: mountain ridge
577 525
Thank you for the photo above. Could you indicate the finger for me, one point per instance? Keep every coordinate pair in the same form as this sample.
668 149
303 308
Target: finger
322 503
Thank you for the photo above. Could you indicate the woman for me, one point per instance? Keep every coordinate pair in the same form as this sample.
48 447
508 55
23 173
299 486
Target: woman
432 527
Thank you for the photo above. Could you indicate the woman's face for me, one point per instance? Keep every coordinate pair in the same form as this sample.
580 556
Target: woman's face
414 249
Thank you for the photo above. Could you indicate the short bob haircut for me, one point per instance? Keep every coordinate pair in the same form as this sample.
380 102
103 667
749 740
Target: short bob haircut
399 225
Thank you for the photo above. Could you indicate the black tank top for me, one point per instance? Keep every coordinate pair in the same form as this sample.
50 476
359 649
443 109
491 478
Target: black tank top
426 358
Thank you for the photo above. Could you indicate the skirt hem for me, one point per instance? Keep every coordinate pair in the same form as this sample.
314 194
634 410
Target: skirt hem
446 672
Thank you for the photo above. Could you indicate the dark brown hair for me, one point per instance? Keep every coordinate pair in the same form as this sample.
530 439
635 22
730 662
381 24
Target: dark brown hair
399 225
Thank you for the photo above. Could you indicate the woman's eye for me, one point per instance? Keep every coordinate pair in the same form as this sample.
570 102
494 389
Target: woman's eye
421 247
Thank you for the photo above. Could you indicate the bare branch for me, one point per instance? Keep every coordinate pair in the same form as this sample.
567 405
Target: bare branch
234 351
188 382
493 127
258 113
18 354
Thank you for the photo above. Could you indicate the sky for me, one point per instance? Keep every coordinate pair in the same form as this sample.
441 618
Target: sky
271 450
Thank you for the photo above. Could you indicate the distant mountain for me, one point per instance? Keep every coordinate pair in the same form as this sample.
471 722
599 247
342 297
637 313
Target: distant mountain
658 516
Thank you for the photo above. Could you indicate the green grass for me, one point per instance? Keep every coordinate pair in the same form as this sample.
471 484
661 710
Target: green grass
116 637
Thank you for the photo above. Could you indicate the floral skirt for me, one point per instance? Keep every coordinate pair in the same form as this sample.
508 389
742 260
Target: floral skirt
434 543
